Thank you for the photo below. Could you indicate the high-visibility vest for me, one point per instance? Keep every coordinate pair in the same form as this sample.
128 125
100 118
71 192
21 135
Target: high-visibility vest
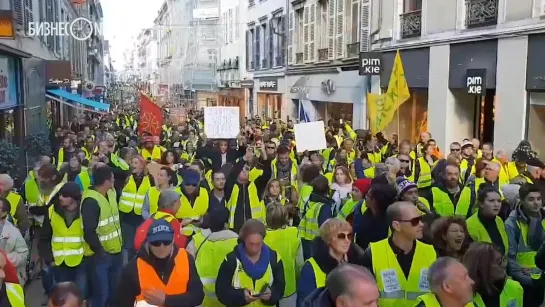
374 157
424 178
16 295
395 289
155 154
479 181
286 242
504 172
14 199
85 179
209 257
153 198
304 194
60 158
32 191
67 242
257 208
163 215
108 228
193 212
44 200
132 199
514 172
188 157
430 300
241 280
444 207
293 172
348 208
525 254
510 296
479 234
308 226
177 283
466 170
319 275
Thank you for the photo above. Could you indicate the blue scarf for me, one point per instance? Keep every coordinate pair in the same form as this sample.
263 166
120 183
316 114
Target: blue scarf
258 269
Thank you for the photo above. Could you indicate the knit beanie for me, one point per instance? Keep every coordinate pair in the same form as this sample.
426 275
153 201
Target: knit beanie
363 185
403 185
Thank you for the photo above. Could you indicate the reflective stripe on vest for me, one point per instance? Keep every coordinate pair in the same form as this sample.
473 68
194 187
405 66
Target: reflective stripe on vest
132 199
258 210
108 228
16 295
395 289
309 226
319 275
285 242
66 242
177 282
208 260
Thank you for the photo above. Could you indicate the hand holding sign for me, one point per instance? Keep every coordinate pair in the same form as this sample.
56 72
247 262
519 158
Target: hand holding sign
221 122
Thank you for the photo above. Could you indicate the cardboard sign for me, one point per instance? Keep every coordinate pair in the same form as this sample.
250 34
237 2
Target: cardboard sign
221 122
154 169
310 136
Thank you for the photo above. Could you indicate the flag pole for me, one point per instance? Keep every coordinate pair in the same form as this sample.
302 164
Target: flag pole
397 102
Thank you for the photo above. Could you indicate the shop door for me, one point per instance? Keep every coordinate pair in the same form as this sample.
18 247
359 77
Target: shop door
485 116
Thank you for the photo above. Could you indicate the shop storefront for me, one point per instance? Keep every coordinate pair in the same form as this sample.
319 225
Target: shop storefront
326 96
412 117
233 97
269 97
535 86
11 100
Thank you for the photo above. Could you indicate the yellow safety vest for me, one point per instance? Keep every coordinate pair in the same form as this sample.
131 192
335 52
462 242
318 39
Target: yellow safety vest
395 289
319 275
525 255
479 234
258 210
464 169
60 158
348 208
241 280
430 300
85 179
132 199
66 242
154 155
514 172
188 157
304 194
108 228
374 157
479 181
286 242
153 198
293 172
210 255
193 212
31 189
163 215
510 296
308 226
14 199
444 206
424 179
16 295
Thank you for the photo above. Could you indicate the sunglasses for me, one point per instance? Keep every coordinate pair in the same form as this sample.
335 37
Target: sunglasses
345 236
455 149
404 161
414 221
159 243
190 185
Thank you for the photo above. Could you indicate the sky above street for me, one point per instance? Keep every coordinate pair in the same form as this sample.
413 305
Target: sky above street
123 20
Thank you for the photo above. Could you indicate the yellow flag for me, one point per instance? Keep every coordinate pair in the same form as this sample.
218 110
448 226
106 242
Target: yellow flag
381 108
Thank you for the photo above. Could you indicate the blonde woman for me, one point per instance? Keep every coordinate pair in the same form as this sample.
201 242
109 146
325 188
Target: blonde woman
286 242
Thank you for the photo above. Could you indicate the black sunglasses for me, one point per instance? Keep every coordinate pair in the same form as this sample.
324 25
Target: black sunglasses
455 149
345 236
159 243
414 221
190 185
404 161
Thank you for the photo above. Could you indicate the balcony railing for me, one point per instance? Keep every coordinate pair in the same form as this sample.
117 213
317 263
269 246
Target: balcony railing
279 60
481 13
353 50
322 54
411 24
299 58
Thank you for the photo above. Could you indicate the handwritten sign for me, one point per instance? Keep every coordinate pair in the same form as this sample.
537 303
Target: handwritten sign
4 88
309 136
221 122
154 169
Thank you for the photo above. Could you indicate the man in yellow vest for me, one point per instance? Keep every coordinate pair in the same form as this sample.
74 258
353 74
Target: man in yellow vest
400 263
209 247
18 211
450 285
61 240
11 294
66 152
102 234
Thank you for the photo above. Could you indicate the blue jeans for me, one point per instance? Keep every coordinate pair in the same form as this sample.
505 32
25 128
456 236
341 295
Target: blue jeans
128 231
105 270
77 275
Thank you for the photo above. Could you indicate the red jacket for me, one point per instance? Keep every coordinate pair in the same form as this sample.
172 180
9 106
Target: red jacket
142 232
10 271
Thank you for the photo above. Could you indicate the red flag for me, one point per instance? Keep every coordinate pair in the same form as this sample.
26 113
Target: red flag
151 117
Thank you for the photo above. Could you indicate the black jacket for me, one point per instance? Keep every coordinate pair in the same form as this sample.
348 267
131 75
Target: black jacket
231 297
214 155
129 284
318 298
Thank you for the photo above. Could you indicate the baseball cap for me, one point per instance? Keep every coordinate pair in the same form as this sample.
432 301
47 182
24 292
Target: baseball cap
467 144
70 189
191 177
160 230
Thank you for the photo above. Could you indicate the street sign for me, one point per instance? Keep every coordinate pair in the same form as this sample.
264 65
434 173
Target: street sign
476 81
370 63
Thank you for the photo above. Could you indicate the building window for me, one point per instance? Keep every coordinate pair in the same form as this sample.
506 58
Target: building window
265 46
226 28
299 36
411 5
257 47
411 19
237 23
536 122
230 28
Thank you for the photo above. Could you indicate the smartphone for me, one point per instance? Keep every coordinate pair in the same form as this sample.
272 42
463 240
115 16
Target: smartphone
262 292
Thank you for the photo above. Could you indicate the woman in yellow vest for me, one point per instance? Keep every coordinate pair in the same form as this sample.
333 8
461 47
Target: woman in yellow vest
252 274
486 265
423 167
193 203
273 193
166 180
333 247
286 242
188 154
486 225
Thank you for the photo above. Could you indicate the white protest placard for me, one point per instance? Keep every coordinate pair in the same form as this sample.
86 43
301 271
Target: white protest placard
221 122
310 136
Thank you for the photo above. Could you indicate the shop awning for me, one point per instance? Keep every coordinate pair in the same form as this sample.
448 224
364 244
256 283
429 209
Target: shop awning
64 95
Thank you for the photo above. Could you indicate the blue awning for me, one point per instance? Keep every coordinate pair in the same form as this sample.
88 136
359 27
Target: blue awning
78 99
